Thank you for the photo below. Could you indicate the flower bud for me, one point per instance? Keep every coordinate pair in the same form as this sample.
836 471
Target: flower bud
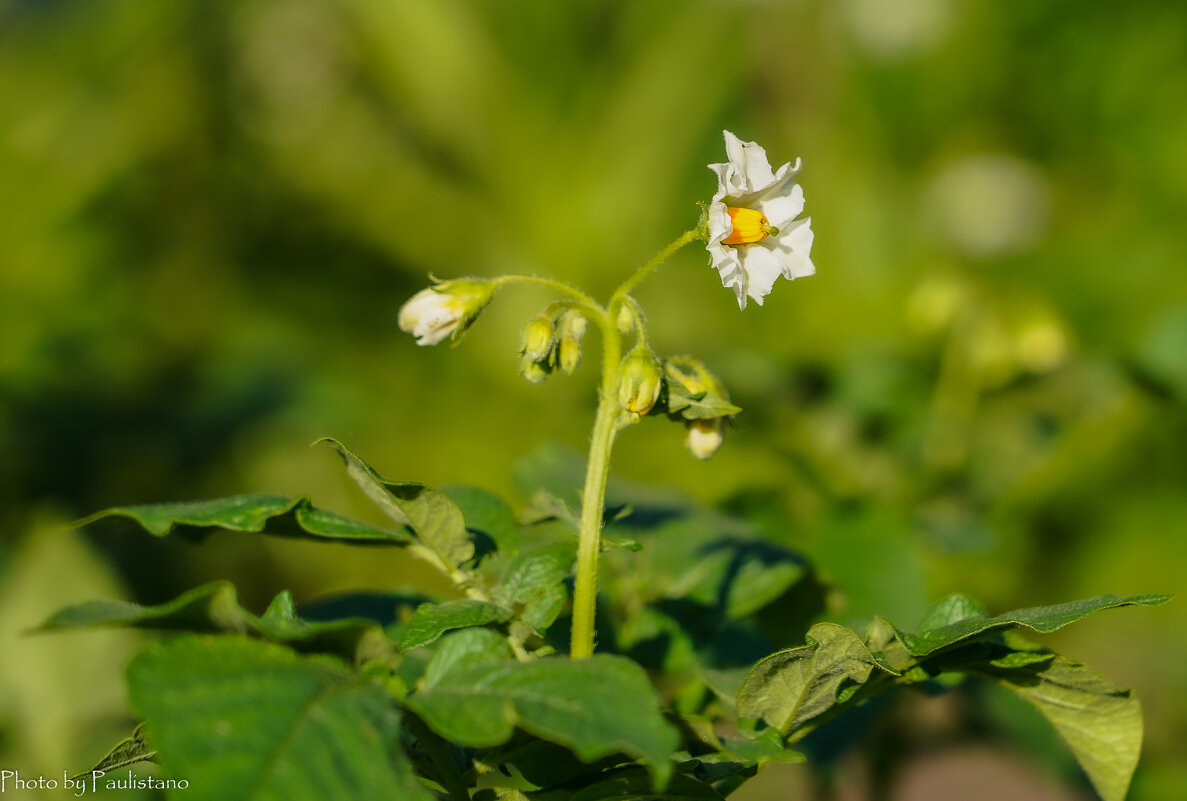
445 309
573 327
626 319
538 336
534 371
704 437
640 382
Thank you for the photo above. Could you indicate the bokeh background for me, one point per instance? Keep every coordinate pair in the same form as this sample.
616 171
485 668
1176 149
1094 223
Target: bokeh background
210 212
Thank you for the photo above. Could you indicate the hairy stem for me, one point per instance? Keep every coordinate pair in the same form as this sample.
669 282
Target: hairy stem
593 498
592 306
656 260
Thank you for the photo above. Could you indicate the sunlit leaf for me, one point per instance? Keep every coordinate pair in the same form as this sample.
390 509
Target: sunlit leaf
791 688
268 514
435 519
958 618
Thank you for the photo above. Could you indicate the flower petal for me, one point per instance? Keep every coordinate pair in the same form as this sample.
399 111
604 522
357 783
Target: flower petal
792 246
749 159
783 200
748 169
720 224
762 267
725 260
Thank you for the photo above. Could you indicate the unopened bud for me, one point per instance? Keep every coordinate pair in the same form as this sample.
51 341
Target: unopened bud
573 328
538 336
534 371
704 437
689 373
626 319
640 382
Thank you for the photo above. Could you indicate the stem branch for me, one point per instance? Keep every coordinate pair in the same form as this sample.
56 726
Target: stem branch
560 286
656 260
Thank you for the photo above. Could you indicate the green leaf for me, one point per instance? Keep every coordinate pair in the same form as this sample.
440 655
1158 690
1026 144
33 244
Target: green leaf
487 515
1100 722
432 620
246 720
268 514
128 751
215 607
533 584
595 707
791 688
705 558
435 519
698 406
464 649
958 618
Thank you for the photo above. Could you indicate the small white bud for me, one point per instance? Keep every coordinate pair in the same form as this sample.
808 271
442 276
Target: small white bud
704 437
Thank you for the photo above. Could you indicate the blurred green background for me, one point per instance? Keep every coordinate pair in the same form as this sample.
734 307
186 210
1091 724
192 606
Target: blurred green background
210 212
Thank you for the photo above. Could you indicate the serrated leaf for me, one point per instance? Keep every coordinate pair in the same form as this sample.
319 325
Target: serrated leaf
1100 722
958 618
432 620
433 517
595 707
791 688
128 751
245 720
214 607
267 514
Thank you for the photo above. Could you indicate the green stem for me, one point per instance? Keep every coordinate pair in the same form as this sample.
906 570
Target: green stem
593 498
594 307
656 260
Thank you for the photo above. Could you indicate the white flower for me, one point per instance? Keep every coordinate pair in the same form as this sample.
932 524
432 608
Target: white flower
754 236
443 310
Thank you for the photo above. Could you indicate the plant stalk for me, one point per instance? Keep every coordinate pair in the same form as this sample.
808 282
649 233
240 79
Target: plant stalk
593 498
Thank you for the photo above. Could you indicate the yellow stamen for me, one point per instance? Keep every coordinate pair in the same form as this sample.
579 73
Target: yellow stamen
749 226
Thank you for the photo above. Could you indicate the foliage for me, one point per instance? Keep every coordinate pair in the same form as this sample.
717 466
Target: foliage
277 706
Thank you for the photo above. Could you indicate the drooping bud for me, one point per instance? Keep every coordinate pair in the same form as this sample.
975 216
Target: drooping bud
640 382
573 327
538 337
625 319
445 309
534 371
704 437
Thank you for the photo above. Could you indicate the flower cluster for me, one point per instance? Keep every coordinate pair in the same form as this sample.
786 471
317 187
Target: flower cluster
754 235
